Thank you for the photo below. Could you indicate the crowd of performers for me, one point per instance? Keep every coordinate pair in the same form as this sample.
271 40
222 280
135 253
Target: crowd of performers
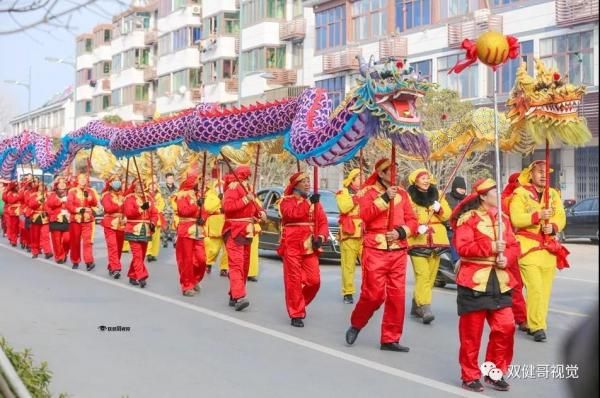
204 219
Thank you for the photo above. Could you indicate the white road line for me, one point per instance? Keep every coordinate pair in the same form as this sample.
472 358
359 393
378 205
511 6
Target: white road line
578 314
415 378
578 280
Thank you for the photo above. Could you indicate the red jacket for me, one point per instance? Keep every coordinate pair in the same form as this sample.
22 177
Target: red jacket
37 208
24 193
76 200
298 220
374 213
139 221
189 214
239 212
12 200
114 216
56 207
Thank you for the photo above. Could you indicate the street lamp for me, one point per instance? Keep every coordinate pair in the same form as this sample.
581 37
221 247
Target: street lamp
27 85
74 65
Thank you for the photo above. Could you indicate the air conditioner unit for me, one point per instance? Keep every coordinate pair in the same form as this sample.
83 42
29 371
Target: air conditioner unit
196 10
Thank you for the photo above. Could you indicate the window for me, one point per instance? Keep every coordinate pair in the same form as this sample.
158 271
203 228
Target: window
116 97
164 7
105 102
211 26
297 9
261 58
107 35
573 53
335 88
231 23
210 72
506 74
88 106
195 77
465 83
276 58
164 44
276 9
369 19
229 68
455 8
297 55
257 10
180 39
196 34
412 13
331 28
422 69
500 3
141 92
88 45
84 76
586 205
116 63
179 4
106 67
180 80
164 85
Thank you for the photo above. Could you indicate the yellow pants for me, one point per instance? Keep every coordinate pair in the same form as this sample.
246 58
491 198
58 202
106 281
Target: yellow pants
425 269
154 244
538 270
213 246
350 251
126 246
253 271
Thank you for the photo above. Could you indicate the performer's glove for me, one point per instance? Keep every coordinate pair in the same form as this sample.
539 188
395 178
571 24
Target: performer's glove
220 196
145 206
401 233
152 228
317 242
85 194
385 197
314 198
82 210
437 206
200 202
422 229
199 221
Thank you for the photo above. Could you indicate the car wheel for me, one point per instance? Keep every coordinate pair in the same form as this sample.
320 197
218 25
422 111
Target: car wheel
439 283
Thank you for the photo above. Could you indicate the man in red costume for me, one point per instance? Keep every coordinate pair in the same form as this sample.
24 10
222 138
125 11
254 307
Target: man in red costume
58 216
80 202
241 212
304 230
39 220
113 223
484 284
25 212
383 257
190 254
141 224
12 209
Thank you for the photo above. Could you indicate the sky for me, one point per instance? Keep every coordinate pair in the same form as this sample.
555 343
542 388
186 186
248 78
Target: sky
21 50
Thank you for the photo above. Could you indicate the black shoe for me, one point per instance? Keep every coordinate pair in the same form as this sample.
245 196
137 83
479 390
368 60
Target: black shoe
75 266
143 283
22 246
189 293
224 272
28 249
133 282
241 304
48 256
90 266
253 279
60 261
348 299
115 274
13 244
539 336
393 347
474 386
297 322
428 316
500 385
523 327
208 269
351 335
231 302
34 256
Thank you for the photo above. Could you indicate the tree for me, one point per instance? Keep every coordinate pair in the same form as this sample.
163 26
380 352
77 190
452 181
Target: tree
112 119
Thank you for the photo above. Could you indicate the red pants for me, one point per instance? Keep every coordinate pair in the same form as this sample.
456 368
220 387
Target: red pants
191 262
500 345
383 281
80 234
114 245
239 264
24 233
60 244
137 269
301 279
519 305
40 239
12 229
5 223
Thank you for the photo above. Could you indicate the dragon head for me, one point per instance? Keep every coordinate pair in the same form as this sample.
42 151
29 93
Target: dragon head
547 103
389 91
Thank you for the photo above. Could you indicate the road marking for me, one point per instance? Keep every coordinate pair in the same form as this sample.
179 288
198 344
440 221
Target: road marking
578 280
415 378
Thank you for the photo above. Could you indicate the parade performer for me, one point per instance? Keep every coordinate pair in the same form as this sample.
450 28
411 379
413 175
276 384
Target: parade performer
215 221
167 193
159 203
39 219
484 284
541 253
241 212
301 245
25 212
254 264
350 231
81 201
3 184
509 189
112 200
12 210
458 192
383 257
190 254
431 242
141 222
58 216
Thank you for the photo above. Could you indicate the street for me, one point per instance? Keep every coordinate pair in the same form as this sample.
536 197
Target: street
178 346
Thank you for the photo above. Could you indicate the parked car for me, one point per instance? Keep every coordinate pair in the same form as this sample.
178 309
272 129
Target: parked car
98 185
271 230
582 221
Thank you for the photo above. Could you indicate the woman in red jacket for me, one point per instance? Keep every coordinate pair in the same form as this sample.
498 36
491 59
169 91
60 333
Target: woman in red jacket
39 219
12 208
81 201
58 216
300 245
484 285
114 223
141 222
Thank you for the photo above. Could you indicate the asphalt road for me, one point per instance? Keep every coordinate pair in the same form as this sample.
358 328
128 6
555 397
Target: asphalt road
200 347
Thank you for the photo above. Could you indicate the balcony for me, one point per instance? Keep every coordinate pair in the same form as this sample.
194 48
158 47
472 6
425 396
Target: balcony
294 30
344 60
284 92
393 47
570 12
106 84
196 94
150 37
149 74
231 85
282 76
477 23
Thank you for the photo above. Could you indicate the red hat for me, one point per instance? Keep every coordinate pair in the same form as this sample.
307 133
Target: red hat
293 181
381 165
242 172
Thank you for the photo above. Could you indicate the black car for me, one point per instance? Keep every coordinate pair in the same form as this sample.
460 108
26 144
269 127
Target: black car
271 229
582 221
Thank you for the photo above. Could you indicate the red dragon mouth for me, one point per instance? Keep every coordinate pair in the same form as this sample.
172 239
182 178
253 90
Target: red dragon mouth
401 106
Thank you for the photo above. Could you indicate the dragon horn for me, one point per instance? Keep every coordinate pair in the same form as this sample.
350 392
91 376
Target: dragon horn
363 67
